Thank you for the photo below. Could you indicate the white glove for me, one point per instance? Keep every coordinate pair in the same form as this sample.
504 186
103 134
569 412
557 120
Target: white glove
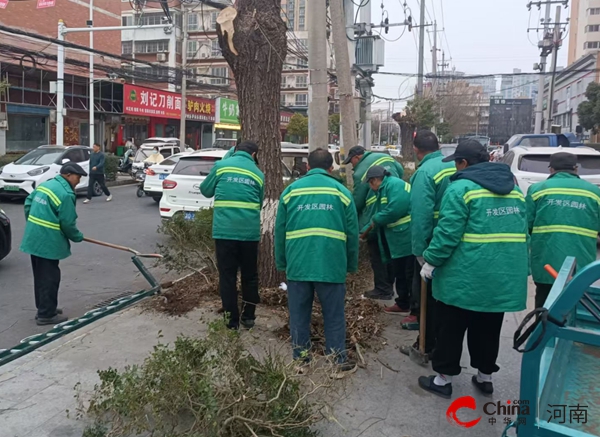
421 260
427 271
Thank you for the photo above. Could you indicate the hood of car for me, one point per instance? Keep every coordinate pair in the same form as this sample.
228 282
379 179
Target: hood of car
16 171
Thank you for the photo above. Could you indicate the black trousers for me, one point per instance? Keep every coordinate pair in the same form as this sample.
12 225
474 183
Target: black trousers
46 281
541 293
404 269
432 328
382 273
483 339
234 255
96 178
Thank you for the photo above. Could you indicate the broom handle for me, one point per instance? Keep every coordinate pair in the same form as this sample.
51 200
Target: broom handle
112 246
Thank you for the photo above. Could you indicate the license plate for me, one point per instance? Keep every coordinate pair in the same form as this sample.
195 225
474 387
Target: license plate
11 188
189 215
162 176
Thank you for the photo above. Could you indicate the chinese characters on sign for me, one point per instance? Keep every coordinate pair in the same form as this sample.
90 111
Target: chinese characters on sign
158 103
228 111
565 203
238 180
503 211
45 3
315 206
577 413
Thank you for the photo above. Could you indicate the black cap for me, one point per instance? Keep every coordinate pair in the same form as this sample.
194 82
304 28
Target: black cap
468 149
355 151
563 161
376 171
72 168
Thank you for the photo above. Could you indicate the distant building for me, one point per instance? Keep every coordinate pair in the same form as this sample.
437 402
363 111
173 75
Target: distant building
584 29
518 86
509 117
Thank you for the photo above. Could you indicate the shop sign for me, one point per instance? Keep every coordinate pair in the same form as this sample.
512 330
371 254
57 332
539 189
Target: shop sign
200 109
228 111
3 4
45 4
154 103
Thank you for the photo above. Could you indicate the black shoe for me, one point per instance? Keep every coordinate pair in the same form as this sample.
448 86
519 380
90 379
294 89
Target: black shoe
427 384
486 387
378 295
58 311
248 324
52 320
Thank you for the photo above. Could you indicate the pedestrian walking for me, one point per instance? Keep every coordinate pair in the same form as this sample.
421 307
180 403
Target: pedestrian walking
316 244
364 198
478 259
97 162
391 226
237 185
51 223
428 184
564 219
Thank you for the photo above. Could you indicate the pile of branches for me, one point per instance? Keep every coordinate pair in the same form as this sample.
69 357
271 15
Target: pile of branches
209 387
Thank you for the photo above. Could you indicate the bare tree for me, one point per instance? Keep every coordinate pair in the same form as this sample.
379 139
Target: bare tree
253 41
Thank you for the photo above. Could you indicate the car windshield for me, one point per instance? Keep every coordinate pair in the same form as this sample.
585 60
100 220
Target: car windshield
171 161
586 165
41 156
143 154
226 144
196 166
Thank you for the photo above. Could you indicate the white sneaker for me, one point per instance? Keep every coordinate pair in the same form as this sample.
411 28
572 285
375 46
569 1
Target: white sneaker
86 201
109 198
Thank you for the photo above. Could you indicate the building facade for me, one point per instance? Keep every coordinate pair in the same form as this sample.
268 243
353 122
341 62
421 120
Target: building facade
517 86
584 29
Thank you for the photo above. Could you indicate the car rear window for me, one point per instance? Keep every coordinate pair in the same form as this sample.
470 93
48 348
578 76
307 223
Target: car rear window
196 166
587 165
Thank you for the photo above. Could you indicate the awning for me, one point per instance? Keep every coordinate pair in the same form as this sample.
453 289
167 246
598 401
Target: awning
228 126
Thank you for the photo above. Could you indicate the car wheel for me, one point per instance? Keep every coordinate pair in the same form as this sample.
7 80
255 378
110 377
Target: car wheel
97 189
140 192
157 199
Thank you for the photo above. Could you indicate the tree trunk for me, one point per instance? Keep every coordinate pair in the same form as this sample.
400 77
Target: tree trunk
261 45
406 139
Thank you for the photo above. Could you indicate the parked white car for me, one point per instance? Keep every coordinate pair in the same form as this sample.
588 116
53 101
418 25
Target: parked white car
181 189
530 164
146 150
20 178
156 174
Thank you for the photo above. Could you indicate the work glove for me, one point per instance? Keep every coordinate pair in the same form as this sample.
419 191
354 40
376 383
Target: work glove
427 271
421 260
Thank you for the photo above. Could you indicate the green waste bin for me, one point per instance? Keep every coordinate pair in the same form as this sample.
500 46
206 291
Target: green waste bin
120 150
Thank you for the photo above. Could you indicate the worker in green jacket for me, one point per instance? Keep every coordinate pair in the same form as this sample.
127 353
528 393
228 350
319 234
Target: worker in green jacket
428 184
316 244
391 224
231 151
237 186
564 219
364 198
478 259
51 223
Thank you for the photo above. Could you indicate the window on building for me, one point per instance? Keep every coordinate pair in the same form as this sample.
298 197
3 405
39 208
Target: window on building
579 87
154 72
127 20
157 46
213 21
591 45
301 16
223 74
301 99
178 45
148 19
192 49
127 47
192 22
592 28
301 82
301 22
215 49
594 11
282 101
302 63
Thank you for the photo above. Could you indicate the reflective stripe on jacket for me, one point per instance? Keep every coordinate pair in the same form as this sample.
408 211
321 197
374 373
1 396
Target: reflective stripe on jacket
479 249
237 185
51 220
316 231
564 219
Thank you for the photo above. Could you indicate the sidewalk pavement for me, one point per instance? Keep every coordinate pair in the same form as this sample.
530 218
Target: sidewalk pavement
37 390
121 179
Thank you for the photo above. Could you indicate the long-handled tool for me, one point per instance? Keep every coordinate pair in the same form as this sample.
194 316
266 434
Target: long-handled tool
418 355
123 248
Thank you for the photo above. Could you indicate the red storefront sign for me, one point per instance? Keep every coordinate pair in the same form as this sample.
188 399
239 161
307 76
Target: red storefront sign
158 103
45 4
3 4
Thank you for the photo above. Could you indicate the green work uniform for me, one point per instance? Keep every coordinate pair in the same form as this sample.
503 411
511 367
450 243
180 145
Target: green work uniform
479 246
364 197
237 185
564 219
391 217
51 220
428 184
229 153
316 231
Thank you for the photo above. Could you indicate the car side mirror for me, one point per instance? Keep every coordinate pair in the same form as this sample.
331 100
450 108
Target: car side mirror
64 160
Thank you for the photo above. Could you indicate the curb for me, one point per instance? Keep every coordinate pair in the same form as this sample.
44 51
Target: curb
118 183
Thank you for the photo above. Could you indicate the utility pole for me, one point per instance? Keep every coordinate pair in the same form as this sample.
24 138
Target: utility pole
318 108
365 17
60 85
91 130
556 46
345 79
539 108
421 50
434 59
184 25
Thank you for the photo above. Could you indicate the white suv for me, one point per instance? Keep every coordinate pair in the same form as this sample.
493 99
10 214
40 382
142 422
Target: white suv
530 164
181 190
156 174
20 178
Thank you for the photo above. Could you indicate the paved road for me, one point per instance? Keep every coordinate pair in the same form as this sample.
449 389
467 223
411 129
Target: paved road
93 274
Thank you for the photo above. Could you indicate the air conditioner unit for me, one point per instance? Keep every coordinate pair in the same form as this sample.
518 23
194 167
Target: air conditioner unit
201 80
289 85
161 57
204 55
